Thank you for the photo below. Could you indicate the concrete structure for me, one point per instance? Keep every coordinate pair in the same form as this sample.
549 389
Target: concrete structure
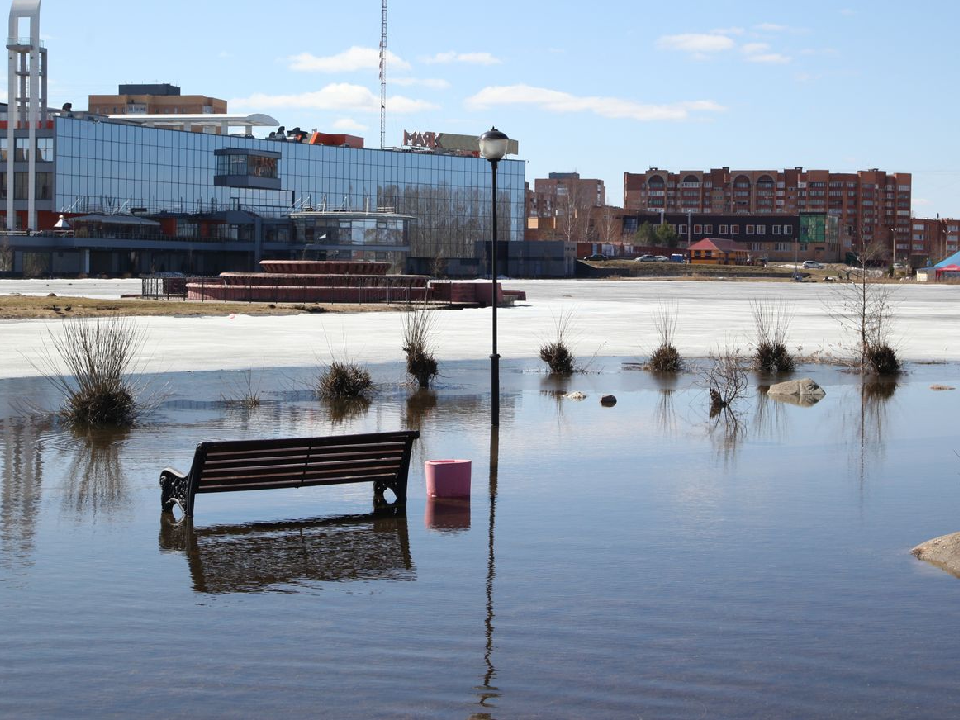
871 206
27 108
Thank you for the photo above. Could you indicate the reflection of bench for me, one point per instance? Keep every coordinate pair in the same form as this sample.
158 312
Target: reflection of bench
265 556
227 465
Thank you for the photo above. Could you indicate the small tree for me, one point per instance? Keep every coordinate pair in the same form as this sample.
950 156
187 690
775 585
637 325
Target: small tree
725 379
771 319
864 308
645 235
6 256
667 236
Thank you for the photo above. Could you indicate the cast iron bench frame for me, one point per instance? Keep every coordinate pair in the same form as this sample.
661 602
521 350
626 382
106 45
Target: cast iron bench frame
229 465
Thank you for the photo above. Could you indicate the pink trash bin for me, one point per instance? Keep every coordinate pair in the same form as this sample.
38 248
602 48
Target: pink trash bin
448 478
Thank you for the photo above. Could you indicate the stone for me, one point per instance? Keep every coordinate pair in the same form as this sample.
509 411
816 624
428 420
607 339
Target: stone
942 387
577 395
805 390
608 400
943 552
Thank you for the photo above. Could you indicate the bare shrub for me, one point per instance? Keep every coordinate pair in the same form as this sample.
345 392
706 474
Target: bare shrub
98 389
344 379
666 358
556 353
725 379
419 326
243 394
771 319
6 256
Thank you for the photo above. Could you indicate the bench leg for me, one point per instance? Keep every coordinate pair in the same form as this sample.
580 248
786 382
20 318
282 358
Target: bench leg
173 489
380 503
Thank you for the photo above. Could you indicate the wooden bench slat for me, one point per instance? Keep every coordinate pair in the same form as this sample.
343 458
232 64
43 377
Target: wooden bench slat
289 485
297 476
301 467
217 462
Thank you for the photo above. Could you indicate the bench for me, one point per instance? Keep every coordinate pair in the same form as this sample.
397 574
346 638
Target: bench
228 465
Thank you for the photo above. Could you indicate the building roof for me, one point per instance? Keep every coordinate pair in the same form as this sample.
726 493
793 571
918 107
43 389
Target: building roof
721 244
205 119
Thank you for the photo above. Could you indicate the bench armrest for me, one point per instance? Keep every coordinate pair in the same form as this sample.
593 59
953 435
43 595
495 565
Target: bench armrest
173 489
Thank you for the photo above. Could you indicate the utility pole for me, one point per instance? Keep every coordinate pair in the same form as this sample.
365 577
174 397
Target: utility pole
383 74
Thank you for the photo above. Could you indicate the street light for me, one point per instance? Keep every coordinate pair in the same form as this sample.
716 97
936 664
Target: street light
493 146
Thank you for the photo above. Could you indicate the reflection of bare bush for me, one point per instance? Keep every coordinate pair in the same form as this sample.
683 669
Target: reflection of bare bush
95 478
345 409
771 319
419 406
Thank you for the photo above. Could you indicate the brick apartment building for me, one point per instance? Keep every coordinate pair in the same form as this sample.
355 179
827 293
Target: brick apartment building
871 205
154 99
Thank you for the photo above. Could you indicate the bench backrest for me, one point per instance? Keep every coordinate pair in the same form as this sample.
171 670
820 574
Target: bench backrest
221 466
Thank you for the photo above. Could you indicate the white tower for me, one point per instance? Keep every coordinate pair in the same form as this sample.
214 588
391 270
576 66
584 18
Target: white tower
26 100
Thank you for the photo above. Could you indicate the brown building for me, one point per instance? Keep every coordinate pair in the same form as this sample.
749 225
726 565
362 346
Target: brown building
159 99
872 205
564 206
932 240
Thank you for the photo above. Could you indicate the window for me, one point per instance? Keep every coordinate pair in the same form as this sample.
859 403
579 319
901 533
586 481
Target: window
44 186
788 229
708 229
682 230
776 229
734 229
22 152
45 149
750 229
3 149
724 229
698 229
21 183
761 229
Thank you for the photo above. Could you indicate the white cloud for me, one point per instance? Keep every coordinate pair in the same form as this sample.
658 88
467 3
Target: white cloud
356 58
849 12
435 83
560 102
770 27
769 58
728 31
751 48
338 96
695 42
471 58
921 201
348 124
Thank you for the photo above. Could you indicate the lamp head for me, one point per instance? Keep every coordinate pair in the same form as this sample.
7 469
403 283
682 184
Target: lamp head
493 145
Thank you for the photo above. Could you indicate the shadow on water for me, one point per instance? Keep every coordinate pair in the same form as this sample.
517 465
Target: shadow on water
280 556
95 482
22 443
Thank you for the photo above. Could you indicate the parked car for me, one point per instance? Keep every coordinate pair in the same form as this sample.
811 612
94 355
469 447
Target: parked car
596 256
678 257
662 258
645 258
812 265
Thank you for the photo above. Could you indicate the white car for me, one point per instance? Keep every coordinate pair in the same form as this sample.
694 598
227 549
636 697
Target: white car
812 265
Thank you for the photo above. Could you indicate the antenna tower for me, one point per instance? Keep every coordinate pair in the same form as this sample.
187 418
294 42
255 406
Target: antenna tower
383 74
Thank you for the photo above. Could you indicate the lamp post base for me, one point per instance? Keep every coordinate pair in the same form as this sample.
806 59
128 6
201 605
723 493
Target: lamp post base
495 390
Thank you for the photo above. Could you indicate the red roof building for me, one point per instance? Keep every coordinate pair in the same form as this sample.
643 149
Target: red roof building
718 251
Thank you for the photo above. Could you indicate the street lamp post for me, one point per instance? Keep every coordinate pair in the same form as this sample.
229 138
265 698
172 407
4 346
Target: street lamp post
493 146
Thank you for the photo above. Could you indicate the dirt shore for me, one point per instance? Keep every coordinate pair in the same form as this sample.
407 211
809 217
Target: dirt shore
32 307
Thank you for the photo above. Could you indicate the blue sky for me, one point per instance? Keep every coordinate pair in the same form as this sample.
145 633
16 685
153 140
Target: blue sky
601 88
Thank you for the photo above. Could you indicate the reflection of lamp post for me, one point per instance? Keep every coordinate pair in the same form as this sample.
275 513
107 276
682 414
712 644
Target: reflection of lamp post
493 146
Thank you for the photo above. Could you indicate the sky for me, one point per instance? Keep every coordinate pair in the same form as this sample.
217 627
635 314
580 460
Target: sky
599 88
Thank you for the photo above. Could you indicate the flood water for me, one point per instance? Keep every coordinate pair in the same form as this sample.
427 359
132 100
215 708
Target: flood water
640 560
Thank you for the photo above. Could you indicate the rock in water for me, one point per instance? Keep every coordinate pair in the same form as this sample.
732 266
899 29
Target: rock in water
608 400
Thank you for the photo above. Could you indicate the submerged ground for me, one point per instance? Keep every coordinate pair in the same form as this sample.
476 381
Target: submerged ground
635 560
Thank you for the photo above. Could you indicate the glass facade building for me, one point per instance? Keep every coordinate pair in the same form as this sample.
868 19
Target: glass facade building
112 167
